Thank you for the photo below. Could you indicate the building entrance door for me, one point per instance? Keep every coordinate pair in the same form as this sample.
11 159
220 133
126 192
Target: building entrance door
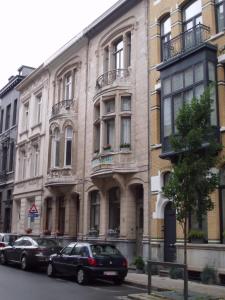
139 220
169 233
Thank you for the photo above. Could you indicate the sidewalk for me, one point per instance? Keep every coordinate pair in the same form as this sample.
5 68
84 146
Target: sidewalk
174 288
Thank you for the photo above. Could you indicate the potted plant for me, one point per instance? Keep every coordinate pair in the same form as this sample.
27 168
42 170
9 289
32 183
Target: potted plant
93 232
125 146
113 232
47 232
140 264
28 230
196 236
107 147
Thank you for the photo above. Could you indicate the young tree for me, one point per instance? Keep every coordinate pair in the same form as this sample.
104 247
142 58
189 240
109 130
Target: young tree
192 179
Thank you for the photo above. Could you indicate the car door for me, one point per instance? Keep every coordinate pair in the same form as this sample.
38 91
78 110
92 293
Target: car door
12 251
61 260
77 257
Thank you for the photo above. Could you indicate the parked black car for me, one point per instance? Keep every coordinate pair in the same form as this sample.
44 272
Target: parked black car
88 261
7 238
29 251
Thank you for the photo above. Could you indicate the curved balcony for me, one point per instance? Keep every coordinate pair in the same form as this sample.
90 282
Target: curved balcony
63 107
61 177
110 163
111 76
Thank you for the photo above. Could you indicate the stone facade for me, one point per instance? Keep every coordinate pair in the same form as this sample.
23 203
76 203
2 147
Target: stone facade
8 135
91 141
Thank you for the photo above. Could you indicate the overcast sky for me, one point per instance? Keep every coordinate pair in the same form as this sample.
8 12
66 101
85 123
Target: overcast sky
32 30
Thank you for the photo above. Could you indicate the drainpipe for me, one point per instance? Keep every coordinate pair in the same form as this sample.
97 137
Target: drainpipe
85 134
149 145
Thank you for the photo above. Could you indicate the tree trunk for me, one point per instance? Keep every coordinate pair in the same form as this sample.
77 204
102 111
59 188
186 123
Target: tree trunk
185 261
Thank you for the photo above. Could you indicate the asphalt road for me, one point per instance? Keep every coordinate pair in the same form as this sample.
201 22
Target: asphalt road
35 285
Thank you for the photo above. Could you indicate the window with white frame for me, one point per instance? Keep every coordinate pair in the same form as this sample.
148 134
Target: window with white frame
55 159
37 111
34 171
119 54
22 164
25 116
68 87
112 124
68 145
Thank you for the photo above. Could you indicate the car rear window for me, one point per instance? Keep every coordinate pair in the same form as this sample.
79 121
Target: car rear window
10 238
104 250
46 243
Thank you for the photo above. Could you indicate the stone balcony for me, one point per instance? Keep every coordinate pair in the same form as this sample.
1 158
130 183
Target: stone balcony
115 77
113 162
65 107
60 176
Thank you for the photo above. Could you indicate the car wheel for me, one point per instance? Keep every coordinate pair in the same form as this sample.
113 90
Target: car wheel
82 277
118 280
24 264
50 270
3 259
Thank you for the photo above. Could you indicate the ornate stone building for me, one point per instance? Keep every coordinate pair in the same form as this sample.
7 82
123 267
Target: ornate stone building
82 152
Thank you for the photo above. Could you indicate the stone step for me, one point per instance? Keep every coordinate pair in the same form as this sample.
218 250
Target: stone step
145 296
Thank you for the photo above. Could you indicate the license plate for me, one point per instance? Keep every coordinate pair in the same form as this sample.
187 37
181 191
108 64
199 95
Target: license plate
110 273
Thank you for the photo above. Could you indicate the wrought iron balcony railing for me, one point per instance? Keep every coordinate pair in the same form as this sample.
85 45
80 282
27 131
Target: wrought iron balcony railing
109 77
186 41
3 176
65 104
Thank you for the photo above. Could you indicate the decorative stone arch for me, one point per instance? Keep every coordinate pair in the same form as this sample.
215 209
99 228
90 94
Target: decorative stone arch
53 126
118 29
68 123
161 200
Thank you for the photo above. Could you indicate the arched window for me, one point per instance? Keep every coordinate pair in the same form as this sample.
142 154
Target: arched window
68 146
55 148
165 32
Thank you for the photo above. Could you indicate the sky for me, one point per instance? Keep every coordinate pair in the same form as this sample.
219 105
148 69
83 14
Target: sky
32 30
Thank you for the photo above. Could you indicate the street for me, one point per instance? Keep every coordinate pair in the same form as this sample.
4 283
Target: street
35 285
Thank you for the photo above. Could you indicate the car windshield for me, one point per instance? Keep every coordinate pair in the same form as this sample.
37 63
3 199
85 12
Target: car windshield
46 242
104 250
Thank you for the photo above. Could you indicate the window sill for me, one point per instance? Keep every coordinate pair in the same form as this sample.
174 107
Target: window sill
24 132
35 126
216 36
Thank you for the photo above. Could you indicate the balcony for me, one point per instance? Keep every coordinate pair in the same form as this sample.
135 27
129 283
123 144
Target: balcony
59 177
111 76
186 41
3 177
63 107
113 162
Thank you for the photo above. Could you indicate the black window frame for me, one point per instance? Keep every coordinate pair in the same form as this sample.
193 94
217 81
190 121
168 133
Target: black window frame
14 112
174 68
164 38
7 116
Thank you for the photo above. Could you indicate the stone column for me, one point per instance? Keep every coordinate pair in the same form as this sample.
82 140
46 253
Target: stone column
104 213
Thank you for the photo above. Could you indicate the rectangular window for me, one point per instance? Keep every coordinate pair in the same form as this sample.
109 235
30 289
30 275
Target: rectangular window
1 122
95 211
110 106
110 132
125 130
68 87
7 117
220 9
11 157
167 117
37 112
4 158
128 49
106 60
125 103
177 81
97 138
14 112
26 116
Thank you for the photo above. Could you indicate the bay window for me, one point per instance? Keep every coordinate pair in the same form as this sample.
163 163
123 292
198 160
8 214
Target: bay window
180 83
